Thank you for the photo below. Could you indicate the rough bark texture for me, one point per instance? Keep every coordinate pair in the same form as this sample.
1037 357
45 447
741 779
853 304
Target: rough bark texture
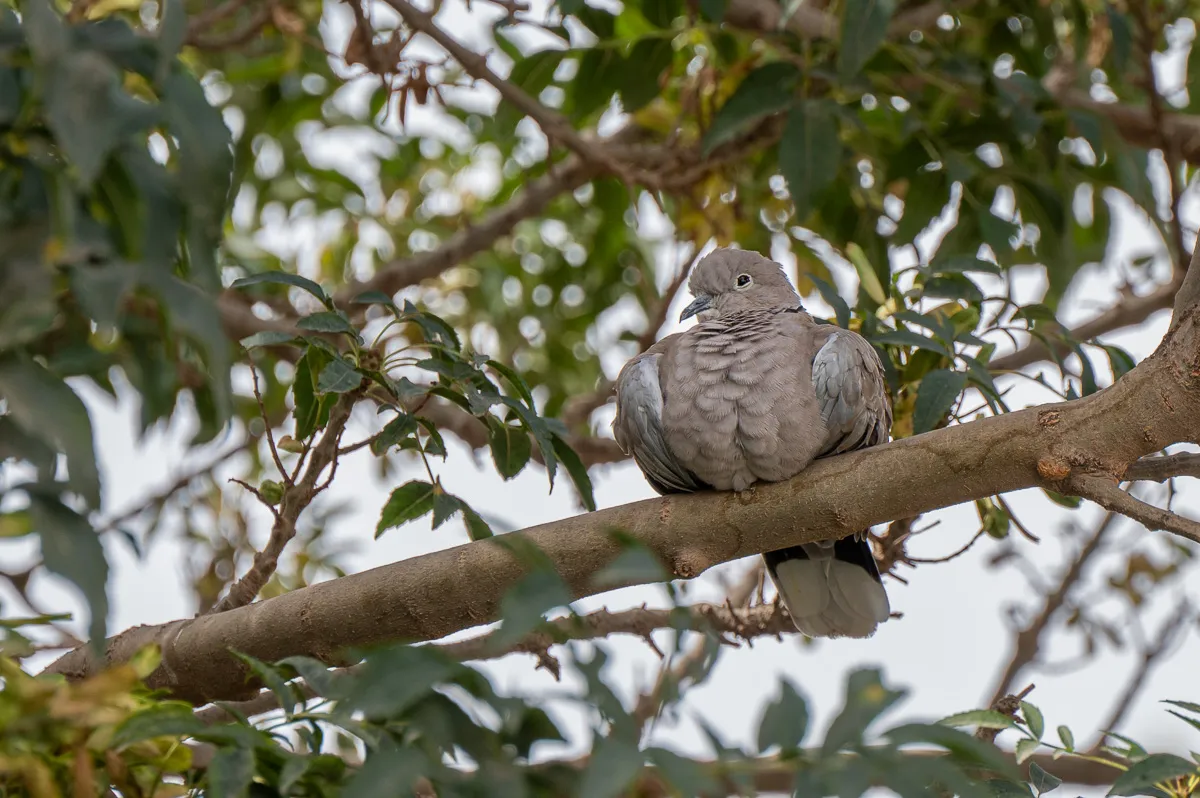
1156 404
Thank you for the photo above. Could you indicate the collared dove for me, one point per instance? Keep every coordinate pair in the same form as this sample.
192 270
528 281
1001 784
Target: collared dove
755 392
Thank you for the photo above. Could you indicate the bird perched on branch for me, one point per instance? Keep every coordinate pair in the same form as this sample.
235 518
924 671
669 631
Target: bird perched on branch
755 392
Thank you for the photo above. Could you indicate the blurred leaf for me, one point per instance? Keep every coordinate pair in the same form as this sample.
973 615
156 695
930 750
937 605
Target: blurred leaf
406 503
524 604
864 27
764 92
1121 361
267 338
284 278
809 152
1155 768
866 700
229 773
685 775
388 772
785 720
612 767
1122 38
274 681
964 748
639 85
833 299
163 720
71 549
904 337
39 402
634 565
1068 739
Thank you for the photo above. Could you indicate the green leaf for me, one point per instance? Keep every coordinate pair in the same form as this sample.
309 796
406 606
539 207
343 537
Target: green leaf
767 90
161 720
71 549
785 720
864 27
315 674
639 85
954 264
1033 719
1025 748
338 377
444 506
868 279
396 430
387 772
634 565
37 400
229 773
1006 789
330 321
686 776
980 718
406 503
902 337
614 765
526 602
866 700
1155 768
1068 739
1121 361
285 278
935 397
964 748
276 683
577 471
840 309
1122 39
809 152
510 446
267 338
477 528
373 298
1041 781
394 679
304 394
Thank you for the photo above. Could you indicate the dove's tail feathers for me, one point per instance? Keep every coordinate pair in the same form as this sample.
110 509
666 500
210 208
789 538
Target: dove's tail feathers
831 590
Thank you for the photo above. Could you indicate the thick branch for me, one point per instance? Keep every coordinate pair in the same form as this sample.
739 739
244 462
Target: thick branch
425 598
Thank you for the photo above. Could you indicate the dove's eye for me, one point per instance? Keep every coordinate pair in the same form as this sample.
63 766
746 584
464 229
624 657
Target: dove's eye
744 281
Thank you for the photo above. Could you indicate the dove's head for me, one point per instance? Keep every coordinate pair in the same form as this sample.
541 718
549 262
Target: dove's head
733 280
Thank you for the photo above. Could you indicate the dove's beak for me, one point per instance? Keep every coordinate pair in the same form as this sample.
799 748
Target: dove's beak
699 305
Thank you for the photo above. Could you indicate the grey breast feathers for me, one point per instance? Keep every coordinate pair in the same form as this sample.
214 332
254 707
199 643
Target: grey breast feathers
849 382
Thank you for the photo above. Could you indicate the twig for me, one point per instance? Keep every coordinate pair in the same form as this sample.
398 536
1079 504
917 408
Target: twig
1152 656
1169 146
952 555
1160 469
296 497
1104 492
1127 312
674 671
554 125
179 484
1028 641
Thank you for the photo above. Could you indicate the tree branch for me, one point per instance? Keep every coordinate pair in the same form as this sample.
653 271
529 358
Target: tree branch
296 498
770 620
1151 407
1152 656
1028 641
1130 310
1104 491
1160 469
